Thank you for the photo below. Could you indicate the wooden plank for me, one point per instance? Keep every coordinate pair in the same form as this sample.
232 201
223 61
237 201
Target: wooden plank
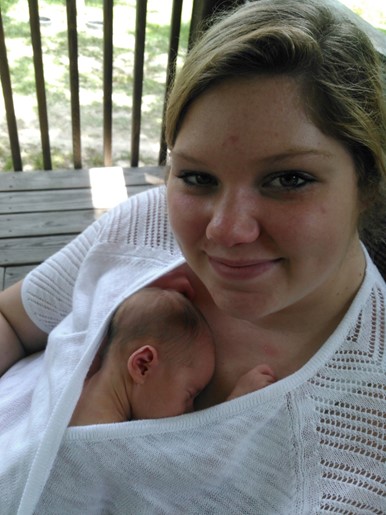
139 57
107 81
36 223
29 251
2 278
72 33
41 224
40 82
65 179
174 40
14 274
202 12
8 101
57 200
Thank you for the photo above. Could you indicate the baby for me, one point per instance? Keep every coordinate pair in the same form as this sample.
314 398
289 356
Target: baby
159 355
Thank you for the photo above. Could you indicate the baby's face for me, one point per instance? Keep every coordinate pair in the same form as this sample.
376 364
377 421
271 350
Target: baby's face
189 381
176 386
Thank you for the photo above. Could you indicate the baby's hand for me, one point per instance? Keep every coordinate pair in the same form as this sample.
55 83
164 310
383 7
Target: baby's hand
258 377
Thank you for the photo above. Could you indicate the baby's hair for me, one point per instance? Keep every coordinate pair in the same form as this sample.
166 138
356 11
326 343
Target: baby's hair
154 315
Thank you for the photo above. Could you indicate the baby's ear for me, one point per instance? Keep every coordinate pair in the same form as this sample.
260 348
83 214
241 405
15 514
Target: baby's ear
141 362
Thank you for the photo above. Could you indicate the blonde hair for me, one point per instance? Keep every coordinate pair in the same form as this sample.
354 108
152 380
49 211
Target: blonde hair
336 66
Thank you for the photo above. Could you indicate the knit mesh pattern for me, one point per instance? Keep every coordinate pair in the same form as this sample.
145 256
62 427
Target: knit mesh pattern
312 443
350 401
147 226
48 291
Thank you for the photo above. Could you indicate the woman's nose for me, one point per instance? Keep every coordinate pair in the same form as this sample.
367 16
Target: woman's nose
234 222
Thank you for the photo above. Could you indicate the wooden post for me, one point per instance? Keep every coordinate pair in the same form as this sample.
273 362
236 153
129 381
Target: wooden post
107 80
74 82
171 68
8 102
40 82
139 51
202 12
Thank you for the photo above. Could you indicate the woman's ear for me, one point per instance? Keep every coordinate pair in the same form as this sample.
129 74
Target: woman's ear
141 362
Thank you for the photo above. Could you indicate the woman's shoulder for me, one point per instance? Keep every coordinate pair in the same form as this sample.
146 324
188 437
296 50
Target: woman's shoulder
140 225
138 218
367 323
147 200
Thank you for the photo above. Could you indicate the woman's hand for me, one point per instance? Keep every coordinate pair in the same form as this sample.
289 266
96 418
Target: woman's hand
19 336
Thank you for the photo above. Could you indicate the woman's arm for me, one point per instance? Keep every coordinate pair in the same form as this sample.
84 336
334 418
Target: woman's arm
19 336
24 328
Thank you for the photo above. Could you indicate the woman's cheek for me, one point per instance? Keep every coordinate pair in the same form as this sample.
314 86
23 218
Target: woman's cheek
186 215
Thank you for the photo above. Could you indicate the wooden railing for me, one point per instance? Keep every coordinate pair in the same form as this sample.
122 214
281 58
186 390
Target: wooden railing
201 10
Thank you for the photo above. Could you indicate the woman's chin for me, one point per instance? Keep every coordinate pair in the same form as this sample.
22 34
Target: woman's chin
243 306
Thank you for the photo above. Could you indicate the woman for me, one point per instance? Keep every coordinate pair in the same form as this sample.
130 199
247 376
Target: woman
275 127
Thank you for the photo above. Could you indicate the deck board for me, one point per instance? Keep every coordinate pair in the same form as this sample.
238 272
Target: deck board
40 212
69 179
13 274
53 200
17 225
21 251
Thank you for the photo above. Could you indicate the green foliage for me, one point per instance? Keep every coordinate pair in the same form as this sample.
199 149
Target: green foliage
6 5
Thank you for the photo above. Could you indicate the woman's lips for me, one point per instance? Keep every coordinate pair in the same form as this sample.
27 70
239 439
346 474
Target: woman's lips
246 269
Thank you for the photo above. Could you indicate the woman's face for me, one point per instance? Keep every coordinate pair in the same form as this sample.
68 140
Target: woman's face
263 204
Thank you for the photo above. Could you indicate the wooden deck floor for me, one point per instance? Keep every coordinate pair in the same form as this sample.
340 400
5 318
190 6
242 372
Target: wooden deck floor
42 211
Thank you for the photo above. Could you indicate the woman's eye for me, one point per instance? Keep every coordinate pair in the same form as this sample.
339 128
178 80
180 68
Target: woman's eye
197 179
288 181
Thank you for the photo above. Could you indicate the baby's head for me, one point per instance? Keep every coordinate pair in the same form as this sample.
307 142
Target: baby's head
167 348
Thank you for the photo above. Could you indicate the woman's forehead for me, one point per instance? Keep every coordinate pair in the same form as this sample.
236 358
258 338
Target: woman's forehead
263 113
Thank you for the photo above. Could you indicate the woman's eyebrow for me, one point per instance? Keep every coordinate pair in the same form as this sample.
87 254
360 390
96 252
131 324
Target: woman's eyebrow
297 152
186 157
274 158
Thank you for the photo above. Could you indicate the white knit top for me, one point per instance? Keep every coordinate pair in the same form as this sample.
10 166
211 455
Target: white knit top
312 443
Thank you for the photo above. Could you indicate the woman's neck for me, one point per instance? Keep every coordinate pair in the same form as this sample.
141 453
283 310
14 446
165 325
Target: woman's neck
286 340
